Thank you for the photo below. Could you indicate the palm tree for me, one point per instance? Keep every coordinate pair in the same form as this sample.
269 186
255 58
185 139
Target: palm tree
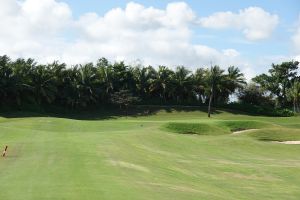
22 71
105 74
161 84
235 79
294 94
43 84
143 78
69 93
215 78
6 78
87 84
199 84
183 82
123 78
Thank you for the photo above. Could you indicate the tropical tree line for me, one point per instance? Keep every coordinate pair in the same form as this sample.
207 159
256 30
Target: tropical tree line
24 81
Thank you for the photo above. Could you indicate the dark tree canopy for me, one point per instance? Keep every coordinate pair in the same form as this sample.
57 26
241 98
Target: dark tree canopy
254 95
123 98
279 80
24 81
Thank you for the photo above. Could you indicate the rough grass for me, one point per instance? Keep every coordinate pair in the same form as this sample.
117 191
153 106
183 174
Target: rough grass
238 125
279 134
196 128
134 158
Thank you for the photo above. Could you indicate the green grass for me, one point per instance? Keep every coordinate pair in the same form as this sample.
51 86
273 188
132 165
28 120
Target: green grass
196 128
238 125
140 158
279 134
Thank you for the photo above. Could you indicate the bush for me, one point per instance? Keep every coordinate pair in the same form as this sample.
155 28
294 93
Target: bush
259 110
284 112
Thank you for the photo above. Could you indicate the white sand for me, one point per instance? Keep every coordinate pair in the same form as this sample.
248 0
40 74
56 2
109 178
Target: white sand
243 131
289 142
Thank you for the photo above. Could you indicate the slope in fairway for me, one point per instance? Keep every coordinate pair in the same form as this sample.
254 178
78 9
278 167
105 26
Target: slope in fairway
140 158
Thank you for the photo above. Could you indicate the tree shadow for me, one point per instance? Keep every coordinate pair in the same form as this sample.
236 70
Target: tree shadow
101 113
109 112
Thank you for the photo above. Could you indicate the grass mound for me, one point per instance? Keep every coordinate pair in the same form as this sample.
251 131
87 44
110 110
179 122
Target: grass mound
278 134
196 128
215 127
239 125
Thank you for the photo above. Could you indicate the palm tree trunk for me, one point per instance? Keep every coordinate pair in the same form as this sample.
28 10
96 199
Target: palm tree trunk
294 105
210 101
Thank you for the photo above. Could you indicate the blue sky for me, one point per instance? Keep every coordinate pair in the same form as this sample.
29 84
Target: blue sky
288 10
250 34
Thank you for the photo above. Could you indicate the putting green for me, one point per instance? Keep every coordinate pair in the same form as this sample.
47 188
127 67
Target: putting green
146 157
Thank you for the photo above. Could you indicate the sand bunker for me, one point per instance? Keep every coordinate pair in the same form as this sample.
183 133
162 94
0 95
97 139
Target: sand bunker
289 142
243 131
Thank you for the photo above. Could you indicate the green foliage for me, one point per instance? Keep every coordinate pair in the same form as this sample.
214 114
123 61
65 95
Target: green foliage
123 98
266 110
25 82
293 94
283 112
279 80
254 95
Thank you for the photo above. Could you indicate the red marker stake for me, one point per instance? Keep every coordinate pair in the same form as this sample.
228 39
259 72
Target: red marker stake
4 152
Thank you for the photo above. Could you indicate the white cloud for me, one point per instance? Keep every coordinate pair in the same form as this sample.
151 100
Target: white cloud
296 40
46 16
40 29
32 27
255 23
33 17
231 52
156 36
137 32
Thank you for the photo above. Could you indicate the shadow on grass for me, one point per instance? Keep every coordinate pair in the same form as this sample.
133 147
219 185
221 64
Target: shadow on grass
101 113
110 112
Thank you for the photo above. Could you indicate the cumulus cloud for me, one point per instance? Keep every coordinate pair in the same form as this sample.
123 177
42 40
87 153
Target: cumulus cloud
41 29
46 16
255 22
32 27
156 36
296 40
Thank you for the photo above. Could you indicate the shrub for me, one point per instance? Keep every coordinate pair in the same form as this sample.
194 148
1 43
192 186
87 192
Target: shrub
259 110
